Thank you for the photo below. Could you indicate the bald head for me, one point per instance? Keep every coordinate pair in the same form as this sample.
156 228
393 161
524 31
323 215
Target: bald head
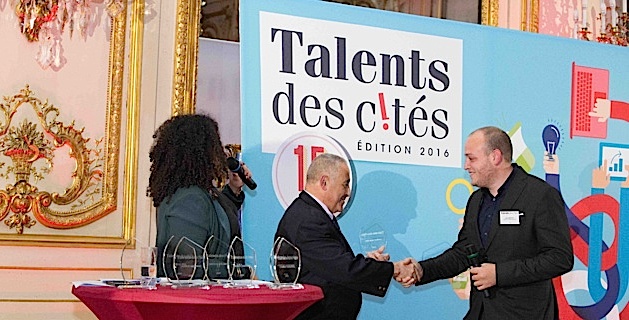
495 138
488 158
325 163
328 180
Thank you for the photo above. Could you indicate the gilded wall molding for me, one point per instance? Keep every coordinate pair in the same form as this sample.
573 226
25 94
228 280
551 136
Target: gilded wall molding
534 21
529 15
186 57
133 121
489 13
524 15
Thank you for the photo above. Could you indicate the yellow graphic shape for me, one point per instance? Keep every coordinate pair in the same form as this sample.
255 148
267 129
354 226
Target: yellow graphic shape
449 193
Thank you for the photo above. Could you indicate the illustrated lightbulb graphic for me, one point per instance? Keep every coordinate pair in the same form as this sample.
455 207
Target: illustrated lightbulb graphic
550 136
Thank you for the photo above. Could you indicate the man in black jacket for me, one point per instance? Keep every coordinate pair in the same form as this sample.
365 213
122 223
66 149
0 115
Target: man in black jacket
328 261
518 223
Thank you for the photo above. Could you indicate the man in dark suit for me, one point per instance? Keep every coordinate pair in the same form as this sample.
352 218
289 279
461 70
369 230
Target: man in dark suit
518 222
310 224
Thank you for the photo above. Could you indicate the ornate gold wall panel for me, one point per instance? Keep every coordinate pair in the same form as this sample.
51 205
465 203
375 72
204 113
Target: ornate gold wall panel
29 147
87 172
186 52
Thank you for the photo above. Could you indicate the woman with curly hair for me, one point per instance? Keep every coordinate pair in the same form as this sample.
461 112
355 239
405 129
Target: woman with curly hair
187 161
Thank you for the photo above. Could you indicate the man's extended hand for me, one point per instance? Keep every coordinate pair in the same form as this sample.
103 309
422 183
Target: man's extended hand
419 271
405 272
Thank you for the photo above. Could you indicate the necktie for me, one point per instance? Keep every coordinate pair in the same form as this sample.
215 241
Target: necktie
336 223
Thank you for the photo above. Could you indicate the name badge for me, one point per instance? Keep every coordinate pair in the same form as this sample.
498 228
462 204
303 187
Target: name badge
510 217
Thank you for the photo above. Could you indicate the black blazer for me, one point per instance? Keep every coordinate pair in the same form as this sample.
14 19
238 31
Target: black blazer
527 256
328 262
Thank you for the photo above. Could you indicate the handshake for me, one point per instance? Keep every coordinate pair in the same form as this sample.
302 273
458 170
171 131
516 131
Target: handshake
407 271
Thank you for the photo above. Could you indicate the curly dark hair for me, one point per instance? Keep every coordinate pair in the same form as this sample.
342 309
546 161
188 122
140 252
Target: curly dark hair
187 151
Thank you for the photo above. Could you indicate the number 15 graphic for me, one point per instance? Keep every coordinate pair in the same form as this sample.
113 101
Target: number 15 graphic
292 159
300 152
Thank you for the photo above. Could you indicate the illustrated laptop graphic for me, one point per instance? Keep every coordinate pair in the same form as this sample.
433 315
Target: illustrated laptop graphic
588 84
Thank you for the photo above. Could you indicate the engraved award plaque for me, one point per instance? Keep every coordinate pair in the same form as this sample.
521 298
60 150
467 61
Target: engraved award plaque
285 263
215 254
241 264
182 263
372 238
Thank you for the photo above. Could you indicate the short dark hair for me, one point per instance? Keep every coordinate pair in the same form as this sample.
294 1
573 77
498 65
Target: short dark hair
187 151
496 138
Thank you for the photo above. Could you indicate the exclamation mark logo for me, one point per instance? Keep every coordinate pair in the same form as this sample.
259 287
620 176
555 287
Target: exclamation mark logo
383 110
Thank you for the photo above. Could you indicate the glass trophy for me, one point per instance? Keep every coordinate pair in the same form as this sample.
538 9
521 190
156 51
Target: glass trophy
372 238
285 263
182 263
134 260
241 264
215 254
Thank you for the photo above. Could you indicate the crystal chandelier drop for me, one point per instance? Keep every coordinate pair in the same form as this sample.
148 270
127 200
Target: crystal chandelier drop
44 21
611 24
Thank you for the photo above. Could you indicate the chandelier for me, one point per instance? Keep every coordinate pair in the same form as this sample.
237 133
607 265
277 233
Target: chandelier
44 21
612 23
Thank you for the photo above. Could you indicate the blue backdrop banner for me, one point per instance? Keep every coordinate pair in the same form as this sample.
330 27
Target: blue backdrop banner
397 95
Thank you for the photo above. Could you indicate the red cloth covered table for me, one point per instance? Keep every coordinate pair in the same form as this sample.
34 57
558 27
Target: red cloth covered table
216 303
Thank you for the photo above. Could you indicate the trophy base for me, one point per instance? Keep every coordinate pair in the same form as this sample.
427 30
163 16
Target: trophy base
238 284
286 286
190 284
135 286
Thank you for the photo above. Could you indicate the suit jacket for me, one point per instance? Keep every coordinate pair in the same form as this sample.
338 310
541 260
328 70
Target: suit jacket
328 262
527 255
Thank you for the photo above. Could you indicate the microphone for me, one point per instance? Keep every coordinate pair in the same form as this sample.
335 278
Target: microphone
234 166
475 261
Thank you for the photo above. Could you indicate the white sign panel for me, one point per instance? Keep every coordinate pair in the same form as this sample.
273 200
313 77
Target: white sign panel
614 157
385 95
